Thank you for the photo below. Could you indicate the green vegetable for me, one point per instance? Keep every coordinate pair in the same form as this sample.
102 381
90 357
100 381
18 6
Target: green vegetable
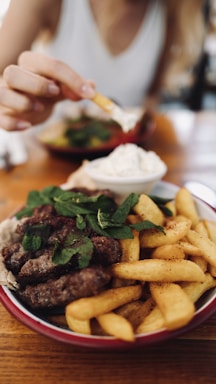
99 212
92 132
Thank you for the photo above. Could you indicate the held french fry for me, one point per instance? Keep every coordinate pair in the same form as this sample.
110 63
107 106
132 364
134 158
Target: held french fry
174 304
159 270
116 325
89 307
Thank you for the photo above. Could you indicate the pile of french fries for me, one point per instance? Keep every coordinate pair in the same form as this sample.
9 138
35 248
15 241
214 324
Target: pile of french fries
160 277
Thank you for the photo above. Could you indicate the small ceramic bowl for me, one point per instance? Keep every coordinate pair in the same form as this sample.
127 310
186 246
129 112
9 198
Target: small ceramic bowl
124 185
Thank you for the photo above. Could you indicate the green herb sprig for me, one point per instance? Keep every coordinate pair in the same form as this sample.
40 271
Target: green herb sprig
99 212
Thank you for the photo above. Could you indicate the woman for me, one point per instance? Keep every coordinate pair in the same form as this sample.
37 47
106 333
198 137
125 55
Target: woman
131 49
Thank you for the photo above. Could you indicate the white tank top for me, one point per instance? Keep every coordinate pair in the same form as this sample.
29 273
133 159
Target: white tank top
125 77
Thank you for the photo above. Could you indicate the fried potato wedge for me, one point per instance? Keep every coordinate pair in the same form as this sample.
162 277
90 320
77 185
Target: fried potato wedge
154 321
205 245
116 325
195 290
168 251
89 307
185 206
159 270
174 304
76 325
146 209
176 231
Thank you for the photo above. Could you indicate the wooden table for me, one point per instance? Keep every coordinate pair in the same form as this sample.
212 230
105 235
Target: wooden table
187 143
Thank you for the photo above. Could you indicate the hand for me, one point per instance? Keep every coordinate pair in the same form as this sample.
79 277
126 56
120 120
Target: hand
29 90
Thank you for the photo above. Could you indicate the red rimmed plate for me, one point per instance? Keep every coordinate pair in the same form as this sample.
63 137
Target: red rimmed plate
205 308
53 137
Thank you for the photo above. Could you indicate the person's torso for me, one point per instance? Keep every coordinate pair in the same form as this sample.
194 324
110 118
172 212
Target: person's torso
125 77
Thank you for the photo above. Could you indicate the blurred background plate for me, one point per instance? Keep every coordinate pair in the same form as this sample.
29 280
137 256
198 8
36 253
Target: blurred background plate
92 134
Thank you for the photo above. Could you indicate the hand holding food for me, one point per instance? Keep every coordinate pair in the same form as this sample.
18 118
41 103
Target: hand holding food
30 89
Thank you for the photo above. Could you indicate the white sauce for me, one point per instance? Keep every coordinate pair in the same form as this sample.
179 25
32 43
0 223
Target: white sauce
130 160
125 119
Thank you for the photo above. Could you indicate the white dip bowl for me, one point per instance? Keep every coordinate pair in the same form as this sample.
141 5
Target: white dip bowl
129 168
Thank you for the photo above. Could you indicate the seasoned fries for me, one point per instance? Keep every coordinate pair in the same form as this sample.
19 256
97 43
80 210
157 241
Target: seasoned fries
161 275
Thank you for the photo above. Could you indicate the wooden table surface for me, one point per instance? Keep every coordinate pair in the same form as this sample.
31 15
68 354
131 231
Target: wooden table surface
187 143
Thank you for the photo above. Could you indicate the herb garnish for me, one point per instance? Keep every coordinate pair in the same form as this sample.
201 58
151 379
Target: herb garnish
99 212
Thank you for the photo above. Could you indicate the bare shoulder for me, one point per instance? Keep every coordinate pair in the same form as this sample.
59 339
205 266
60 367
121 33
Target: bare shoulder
39 11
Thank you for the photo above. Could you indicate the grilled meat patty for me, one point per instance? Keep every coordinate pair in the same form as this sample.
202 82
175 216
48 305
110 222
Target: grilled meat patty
44 284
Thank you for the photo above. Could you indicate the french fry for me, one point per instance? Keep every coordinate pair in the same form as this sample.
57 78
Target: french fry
211 229
199 260
174 304
148 210
171 206
168 251
189 249
206 246
196 290
159 270
154 321
136 311
201 229
185 206
116 325
176 231
76 325
130 248
87 308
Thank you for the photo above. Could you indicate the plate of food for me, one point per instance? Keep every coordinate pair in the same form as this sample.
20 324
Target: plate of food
89 133
79 268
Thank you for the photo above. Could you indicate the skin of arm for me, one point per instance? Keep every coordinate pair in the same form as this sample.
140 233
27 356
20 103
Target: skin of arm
21 25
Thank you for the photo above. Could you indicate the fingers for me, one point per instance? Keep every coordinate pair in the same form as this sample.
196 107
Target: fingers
30 90
11 123
30 83
59 72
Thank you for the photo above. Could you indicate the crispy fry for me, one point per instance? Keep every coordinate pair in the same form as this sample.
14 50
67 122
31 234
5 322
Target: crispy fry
189 249
148 210
168 251
176 231
76 325
185 206
174 304
87 308
171 206
211 229
201 229
136 311
196 290
152 322
206 246
130 248
116 325
159 270
199 260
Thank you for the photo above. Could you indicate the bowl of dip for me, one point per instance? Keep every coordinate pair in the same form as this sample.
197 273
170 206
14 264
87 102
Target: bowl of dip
128 168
